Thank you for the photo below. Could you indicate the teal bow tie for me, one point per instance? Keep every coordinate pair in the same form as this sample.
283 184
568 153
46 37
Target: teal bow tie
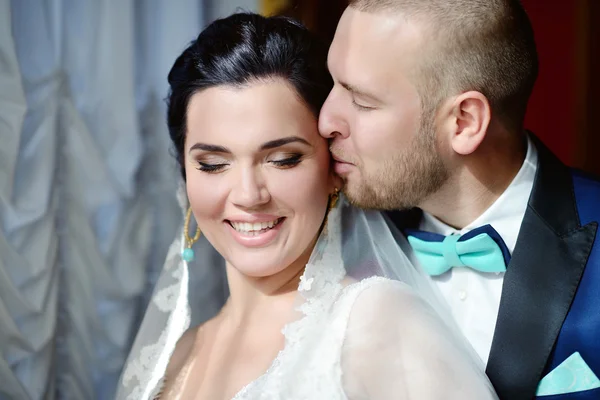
481 249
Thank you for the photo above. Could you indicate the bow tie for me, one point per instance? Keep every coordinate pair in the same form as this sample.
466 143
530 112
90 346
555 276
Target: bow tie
481 249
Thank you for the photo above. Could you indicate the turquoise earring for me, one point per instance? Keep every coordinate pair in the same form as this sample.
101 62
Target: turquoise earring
188 252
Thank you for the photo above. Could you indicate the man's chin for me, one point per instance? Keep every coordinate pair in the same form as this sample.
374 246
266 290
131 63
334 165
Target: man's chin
369 198
361 198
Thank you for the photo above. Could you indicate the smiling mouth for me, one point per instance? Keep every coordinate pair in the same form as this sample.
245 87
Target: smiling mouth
256 228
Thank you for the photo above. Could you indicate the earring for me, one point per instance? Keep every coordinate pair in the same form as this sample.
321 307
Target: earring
333 199
188 252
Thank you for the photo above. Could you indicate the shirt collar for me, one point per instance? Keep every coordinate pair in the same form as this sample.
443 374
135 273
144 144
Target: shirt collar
506 213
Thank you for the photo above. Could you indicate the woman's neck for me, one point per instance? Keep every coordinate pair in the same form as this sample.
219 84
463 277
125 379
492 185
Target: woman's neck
253 298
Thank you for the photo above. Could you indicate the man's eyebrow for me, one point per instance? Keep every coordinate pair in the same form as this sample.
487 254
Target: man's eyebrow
357 91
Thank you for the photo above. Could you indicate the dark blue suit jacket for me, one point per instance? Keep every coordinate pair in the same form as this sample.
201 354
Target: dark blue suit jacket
550 304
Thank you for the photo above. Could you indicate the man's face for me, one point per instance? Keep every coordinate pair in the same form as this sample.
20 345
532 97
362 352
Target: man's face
385 150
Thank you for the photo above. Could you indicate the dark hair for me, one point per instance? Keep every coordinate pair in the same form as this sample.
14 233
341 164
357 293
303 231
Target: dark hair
239 50
483 45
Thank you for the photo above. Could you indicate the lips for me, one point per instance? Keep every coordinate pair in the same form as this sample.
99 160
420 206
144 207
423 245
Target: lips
339 159
341 167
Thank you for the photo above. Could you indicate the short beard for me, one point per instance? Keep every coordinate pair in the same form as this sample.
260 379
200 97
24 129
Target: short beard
405 180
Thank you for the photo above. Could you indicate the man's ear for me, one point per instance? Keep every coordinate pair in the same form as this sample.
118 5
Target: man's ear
466 119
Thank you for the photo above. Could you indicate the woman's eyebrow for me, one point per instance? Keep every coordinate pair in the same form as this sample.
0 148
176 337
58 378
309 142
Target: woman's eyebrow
272 144
283 141
210 147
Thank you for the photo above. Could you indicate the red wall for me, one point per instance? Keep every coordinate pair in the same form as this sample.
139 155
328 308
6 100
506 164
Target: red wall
553 111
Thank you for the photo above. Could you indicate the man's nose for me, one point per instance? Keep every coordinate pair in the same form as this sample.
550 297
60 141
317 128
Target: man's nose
332 122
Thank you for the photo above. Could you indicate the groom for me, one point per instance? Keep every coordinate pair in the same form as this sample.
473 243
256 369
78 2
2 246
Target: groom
426 117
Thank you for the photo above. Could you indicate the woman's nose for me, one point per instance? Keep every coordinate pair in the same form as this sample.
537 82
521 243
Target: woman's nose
250 190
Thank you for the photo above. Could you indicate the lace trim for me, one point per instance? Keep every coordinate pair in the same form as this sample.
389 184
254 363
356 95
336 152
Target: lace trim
154 358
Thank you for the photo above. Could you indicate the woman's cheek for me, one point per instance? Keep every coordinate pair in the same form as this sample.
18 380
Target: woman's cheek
302 186
206 195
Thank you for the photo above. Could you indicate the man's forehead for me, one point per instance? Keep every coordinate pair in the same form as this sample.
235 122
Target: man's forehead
372 46
362 34
385 23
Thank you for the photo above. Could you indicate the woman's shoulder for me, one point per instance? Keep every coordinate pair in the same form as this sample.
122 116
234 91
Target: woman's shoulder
378 289
377 299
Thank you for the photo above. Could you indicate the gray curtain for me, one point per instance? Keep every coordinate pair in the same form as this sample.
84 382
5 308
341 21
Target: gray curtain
87 183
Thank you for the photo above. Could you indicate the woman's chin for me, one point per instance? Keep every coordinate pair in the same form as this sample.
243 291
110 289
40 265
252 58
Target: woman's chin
259 269
263 262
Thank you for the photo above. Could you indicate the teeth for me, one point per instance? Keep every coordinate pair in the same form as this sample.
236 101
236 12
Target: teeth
254 228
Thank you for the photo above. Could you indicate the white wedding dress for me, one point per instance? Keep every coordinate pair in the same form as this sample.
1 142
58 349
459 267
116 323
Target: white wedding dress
367 337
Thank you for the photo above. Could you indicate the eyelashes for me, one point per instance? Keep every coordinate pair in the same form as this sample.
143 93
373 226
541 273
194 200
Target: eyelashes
285 163
361 107
291 161
210 168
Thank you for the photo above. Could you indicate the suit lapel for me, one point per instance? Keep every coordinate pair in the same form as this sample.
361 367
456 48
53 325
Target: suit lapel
540 282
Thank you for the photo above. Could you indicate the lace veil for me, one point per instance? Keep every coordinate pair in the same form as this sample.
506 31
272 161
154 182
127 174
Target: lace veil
356 243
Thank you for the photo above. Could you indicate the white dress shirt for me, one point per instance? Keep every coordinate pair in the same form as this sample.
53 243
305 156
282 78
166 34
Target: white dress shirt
474 296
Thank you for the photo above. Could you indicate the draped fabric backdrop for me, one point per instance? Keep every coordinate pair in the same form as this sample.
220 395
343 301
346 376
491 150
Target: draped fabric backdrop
87 183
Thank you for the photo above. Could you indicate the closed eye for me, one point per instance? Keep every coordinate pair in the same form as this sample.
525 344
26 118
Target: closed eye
291 161
210 168
361 107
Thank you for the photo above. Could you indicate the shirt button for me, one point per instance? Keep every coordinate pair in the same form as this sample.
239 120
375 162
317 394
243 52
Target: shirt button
462 295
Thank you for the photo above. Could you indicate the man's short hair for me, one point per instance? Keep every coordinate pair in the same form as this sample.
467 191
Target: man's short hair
482 45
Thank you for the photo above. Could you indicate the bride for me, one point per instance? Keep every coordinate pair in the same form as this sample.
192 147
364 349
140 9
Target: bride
312 311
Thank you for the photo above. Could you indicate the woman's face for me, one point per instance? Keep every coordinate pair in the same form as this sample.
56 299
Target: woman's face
258 174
